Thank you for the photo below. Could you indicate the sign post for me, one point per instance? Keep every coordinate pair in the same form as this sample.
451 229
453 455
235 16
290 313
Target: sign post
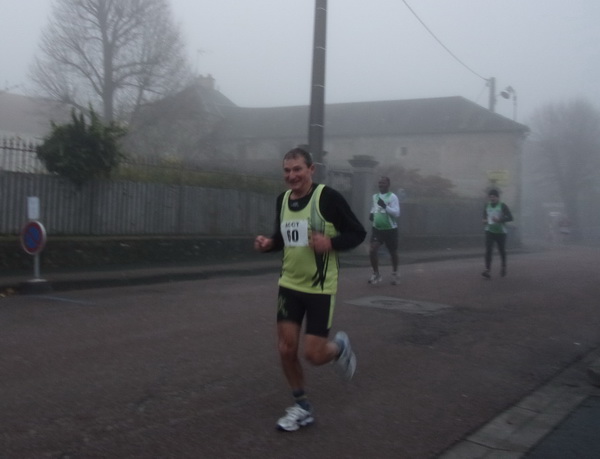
33 240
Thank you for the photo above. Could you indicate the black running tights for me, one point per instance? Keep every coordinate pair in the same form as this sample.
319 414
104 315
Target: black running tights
500 240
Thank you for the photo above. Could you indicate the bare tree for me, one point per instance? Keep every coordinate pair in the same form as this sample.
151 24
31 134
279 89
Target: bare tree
567 136
112 54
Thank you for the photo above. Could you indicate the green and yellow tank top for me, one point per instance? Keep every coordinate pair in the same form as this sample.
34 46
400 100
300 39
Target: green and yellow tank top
494 212
303 269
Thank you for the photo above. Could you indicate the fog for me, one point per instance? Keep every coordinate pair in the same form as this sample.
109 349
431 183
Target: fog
260 51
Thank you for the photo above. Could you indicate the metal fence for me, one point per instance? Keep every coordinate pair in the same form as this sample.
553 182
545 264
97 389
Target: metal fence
129 208
113 207
122 207
106 208
18 155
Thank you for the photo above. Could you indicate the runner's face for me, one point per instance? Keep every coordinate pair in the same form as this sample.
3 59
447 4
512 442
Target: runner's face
298 175
384 185
494 199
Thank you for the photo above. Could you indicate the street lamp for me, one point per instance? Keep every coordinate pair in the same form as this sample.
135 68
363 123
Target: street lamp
508 93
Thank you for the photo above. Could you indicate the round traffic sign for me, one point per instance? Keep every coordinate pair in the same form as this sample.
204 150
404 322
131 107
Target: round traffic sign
33 237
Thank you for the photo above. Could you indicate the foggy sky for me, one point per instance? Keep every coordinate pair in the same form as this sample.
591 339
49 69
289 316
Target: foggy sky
259 51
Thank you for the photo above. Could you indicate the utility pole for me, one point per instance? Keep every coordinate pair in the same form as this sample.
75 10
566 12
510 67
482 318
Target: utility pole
316 122
492 85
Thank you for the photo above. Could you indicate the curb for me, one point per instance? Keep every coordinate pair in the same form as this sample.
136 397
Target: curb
126 279
593 373
122 276
520 428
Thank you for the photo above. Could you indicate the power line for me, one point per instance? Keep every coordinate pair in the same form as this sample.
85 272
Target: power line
442 44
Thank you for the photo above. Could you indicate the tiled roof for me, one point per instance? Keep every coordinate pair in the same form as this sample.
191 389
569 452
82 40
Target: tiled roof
30 117
397 117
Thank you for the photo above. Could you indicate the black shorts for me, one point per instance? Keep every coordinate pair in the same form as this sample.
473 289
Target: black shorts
388 237
293 306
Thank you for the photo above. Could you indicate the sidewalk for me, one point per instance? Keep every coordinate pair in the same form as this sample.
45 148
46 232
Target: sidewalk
110 276
557 421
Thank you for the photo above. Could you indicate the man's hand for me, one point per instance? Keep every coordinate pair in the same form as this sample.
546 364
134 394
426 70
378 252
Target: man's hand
263 244
381 204
320 243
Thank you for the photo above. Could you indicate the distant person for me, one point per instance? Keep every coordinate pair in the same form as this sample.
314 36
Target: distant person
495 215
564 228
385 211
313 223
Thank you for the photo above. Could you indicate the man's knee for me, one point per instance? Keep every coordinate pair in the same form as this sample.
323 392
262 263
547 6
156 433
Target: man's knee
287 350
316 351
287 342
316 356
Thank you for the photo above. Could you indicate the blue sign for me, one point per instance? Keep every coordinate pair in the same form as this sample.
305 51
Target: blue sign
33 237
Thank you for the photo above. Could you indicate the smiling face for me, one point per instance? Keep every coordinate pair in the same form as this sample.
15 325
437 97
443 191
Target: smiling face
298 175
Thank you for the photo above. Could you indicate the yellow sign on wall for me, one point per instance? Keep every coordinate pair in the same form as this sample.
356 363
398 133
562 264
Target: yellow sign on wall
499 177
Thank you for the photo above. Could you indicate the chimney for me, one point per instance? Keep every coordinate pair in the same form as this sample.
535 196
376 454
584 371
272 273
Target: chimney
207 82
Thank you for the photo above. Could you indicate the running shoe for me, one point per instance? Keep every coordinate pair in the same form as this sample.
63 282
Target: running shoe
295 417
375 279
346 362
486 274
395 278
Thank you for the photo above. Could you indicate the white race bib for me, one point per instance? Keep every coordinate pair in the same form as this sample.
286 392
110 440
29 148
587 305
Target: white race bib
494 214
295 233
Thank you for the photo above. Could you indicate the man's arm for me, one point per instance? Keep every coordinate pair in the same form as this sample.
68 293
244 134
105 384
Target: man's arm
393 207
373 204
506 214
337 210
373 208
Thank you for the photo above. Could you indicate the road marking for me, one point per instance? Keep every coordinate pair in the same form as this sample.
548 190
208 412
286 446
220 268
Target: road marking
400 304
65 300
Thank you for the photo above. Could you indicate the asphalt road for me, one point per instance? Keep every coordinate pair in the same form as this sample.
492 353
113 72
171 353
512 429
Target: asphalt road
189 369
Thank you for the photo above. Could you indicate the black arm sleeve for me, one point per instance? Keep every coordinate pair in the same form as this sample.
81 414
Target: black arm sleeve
337 210
506 214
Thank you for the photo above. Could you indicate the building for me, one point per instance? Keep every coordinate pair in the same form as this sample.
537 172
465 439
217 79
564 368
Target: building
450 137
24 122
28 119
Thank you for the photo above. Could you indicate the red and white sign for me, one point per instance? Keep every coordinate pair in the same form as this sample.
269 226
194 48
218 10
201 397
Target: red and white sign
33 237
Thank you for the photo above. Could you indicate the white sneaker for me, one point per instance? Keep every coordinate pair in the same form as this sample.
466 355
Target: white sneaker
295 417
375 279
395 278
346 362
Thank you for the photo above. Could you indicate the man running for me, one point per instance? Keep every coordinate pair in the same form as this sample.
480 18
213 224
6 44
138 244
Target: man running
384 212
495 215
313 223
